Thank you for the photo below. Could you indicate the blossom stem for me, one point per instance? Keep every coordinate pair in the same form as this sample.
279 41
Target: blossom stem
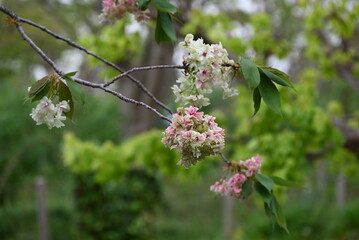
233 65
225 159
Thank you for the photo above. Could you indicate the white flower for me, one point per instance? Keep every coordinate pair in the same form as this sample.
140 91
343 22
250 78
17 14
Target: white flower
64 105
46 112
204 72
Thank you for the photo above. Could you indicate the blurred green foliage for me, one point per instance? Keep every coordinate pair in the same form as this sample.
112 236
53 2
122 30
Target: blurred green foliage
109 173
122 209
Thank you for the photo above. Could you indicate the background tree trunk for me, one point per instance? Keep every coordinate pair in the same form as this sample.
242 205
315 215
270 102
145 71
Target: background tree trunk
158 82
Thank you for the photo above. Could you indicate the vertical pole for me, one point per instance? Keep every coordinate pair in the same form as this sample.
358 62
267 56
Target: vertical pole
341 190
228 217
322 177
41 208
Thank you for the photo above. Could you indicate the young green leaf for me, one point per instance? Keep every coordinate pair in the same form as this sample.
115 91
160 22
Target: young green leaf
165 31
262 192
285 183
42 93
38 86
76 92
276 78
164 6
270 94
266 181
256 100
160 35
247 188
269 212
280 218
143 4
250 72
68 75
65 95
279 73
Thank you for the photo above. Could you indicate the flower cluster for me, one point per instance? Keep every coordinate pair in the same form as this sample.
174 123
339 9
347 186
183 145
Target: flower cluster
250 166
205 70
245 170
194 134
46 112
113 10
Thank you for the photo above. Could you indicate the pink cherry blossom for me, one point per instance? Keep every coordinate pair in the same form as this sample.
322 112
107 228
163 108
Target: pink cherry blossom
192 135
112 11
192 111
244 171
231 186
251 166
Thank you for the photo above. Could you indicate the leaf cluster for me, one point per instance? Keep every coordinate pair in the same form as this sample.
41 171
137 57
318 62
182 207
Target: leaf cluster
53 86
262 81
165 31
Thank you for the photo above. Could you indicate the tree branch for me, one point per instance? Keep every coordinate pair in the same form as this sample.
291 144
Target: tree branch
77 46
119 95
347 76
78 80
226 161
135 69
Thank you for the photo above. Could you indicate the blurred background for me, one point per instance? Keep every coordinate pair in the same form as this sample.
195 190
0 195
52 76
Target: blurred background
106 175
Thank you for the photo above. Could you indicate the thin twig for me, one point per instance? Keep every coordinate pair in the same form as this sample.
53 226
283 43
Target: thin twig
225 159
78 80
119 95
141 69
233 65
38 50
75 45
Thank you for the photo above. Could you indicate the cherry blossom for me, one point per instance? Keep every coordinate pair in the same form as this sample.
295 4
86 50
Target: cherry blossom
194 134
46 112
113 10
244 170
204 71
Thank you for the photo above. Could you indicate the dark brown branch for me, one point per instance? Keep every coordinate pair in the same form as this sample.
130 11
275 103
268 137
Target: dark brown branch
77 46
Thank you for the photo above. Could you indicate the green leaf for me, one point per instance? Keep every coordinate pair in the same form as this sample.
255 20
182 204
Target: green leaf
38 86
165 31
256 100
269 212
68 75
160 35
250 72
285 183
77 93
247 188
42 93
164 6
64 94
262 192
266 181
276 78
270 94
280 218
278 73
143 4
